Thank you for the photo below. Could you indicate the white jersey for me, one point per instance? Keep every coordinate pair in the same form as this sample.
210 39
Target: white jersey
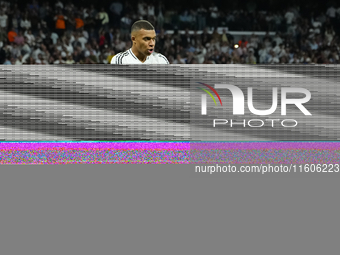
128 58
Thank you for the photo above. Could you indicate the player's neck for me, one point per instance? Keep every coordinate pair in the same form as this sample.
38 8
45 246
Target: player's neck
138 55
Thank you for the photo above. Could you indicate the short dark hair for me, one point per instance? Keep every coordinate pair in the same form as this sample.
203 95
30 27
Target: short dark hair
142 24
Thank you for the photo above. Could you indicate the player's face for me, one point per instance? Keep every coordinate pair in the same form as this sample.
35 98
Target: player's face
144 41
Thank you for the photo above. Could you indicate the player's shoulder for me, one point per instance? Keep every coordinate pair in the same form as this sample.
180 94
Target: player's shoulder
119 57
160 57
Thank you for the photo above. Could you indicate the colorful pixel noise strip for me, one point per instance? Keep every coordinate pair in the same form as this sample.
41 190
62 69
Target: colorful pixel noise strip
168 152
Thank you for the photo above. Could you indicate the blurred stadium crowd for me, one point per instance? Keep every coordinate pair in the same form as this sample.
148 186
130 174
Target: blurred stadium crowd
65 32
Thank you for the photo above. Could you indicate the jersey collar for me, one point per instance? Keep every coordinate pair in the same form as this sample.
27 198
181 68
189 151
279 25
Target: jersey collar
133 55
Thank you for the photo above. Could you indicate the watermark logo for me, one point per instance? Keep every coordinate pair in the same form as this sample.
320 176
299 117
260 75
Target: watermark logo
239 101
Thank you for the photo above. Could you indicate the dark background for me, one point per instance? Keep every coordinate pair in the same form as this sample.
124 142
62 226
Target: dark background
305 5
